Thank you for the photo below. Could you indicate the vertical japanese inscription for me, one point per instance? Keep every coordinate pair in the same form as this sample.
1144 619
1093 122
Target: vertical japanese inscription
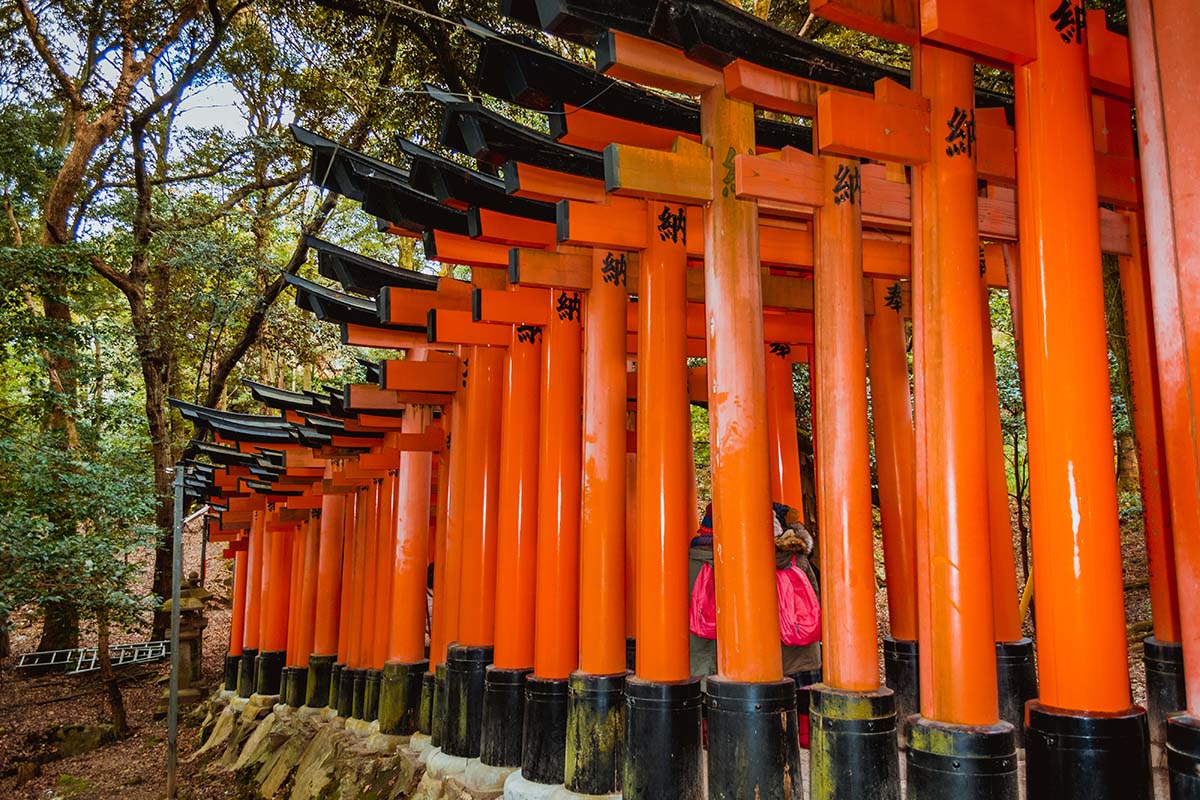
568 307
847 185
960 141
672 225
1070 21
614 269
894 300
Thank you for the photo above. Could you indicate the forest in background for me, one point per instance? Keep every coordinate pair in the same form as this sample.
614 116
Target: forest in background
143 247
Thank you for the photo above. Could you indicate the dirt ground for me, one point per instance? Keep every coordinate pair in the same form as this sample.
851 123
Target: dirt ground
32 707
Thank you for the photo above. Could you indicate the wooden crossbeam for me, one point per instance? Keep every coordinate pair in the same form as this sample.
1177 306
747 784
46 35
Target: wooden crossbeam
630 58
419 376
369 336
458 327
681 174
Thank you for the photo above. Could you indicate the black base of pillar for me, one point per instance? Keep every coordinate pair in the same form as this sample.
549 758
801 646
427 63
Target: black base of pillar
233 665
245 680
297 687
400 697
345 692
503 716
437 732
854 746
320 678
902 674
804 680
1073 755
595 759
1183 756
268 676
371 686
961 762
762 713
1016 683
358 693
285 684
662 740
465 669
1164 684
425 712
631 654
544 734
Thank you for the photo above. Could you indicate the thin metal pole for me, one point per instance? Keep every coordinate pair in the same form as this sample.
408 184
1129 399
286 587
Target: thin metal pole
173 692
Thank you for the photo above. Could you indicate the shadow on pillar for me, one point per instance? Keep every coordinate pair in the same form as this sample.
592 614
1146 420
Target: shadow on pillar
465 670
503 717
595 757
1164 685
961 762
544 737
1016 683
425 712
662 740
902 674
246 672
317 687
854 745
233 665
400 697
1183 756
268 677
760 713
1075 755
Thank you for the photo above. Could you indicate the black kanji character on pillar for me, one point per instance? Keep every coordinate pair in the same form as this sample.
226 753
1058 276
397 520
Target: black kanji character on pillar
529 333
614 269
894 300
780 349
1070 21
847 185
568 307
961 139
672 225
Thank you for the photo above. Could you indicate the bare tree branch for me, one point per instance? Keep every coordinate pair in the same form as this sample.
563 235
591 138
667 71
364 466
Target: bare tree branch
231 202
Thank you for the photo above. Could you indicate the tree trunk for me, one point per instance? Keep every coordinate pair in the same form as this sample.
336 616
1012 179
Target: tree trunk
162 457
1127 464
60 627
116 703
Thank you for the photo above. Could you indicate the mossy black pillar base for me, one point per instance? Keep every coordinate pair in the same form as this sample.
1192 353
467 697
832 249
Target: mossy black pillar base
268 676
233 665
544 738
345 697
631 654
335 685
465 668
662 740
902 674
437 728
503 716
760 713
961 762
425 711
358 693
400 697
1183 756
246 672
854 748
285 684
595 733
804 680
371 686
1016 683
297 690
320 678
1075 755
1164 684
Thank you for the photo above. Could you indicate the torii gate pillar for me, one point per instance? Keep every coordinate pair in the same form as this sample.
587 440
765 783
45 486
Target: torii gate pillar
1165 73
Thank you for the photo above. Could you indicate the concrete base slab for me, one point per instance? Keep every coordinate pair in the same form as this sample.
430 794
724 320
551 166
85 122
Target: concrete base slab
424 755
309 711
420 743
328 713
480 777
441 765
517 788
563 793
258 706
384 743
238 704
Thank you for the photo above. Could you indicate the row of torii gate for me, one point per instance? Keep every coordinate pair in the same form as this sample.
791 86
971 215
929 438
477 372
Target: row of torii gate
549 492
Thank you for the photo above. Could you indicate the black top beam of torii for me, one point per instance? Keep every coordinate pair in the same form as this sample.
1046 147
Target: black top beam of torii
361 275
521 71
712 32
